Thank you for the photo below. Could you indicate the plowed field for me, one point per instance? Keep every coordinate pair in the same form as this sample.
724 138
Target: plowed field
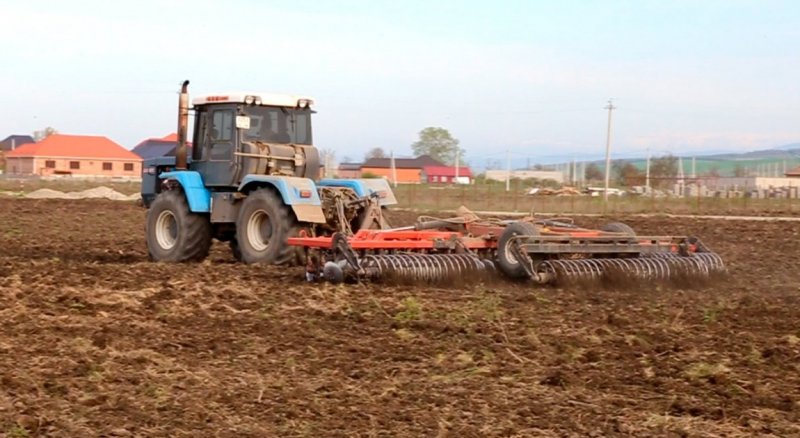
98 341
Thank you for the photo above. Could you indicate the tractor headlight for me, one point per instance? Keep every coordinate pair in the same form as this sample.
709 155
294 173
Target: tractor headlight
249 100
151 170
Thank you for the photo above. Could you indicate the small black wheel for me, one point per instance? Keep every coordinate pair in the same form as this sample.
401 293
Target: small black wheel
506 260
173 232
618 227
263 225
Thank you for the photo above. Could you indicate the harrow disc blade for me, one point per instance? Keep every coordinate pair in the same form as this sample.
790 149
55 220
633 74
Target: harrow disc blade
426 268
658 266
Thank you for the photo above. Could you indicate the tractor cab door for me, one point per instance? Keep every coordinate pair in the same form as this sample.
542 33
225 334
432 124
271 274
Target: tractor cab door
215 144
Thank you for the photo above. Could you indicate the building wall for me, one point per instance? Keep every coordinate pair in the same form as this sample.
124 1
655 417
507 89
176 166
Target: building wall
19 166
349 173
404 176
751 182
501 175
86 167
438 179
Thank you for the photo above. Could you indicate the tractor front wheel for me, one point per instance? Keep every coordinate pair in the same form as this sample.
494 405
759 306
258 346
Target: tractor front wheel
263 225
173 232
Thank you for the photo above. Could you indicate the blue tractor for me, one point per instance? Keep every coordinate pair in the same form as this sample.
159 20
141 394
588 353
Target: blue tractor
253 180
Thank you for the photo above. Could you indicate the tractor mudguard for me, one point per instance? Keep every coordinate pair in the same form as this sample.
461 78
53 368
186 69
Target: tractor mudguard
365 187
298 193
197 194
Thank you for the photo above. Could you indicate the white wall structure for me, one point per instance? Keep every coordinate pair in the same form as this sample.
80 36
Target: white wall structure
501 175
750 182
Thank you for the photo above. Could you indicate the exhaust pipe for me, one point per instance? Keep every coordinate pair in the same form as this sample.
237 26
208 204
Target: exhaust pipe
183 124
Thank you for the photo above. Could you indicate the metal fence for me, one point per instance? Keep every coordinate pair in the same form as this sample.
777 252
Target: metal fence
494 197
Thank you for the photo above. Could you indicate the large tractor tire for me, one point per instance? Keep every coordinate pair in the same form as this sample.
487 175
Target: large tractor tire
263 225
174 233
506 260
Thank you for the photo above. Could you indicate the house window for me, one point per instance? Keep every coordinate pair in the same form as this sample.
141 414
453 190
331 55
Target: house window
74 164
50 164
129 167
108 166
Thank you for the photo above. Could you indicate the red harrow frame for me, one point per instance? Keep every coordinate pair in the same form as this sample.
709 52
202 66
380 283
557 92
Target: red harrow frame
545 251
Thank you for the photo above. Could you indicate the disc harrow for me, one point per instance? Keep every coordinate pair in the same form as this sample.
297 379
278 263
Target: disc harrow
544 251
656 267
426 268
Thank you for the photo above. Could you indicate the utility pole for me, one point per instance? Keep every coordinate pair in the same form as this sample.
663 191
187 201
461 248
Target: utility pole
647 173
610 107
458 152
394 171
508 170
574 178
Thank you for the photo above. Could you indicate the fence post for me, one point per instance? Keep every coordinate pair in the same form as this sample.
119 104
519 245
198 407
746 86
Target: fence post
697 207
744 195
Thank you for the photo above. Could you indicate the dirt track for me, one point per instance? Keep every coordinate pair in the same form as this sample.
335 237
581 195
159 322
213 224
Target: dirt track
97 341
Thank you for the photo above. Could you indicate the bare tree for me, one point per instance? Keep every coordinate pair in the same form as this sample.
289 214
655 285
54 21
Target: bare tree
44 133
664 170
327 157
375 153
593 172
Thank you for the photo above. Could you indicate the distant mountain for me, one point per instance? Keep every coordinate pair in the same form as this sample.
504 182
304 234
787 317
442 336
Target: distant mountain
785 152
788 147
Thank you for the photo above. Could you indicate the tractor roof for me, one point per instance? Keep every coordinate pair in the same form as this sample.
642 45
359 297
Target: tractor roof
270 99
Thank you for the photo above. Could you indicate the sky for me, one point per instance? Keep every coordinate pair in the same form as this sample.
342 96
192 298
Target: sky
528 77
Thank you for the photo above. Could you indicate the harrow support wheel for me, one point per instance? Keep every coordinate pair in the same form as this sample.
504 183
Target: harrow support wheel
263 225
506 259
618 227
173 232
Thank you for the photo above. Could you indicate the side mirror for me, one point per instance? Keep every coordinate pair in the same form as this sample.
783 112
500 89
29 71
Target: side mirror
242 122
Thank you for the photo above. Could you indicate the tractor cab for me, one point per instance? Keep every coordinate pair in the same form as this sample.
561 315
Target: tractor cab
252 134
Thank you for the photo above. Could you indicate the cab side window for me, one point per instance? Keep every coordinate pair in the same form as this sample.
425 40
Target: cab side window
221 135
197 152
222 125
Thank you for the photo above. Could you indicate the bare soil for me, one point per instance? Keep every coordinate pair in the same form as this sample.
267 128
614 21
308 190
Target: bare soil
98 341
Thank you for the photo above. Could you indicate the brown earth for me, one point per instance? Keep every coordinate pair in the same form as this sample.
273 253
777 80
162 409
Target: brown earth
97 341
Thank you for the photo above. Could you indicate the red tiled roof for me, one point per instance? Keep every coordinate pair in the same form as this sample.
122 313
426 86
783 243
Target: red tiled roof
74 146
793 172
170 137
446 171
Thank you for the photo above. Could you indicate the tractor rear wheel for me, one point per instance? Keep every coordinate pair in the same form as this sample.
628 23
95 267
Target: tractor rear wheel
263 225
506 260
173 232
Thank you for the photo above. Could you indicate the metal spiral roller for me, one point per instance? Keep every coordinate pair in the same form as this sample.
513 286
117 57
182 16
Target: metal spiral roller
657 266
424 267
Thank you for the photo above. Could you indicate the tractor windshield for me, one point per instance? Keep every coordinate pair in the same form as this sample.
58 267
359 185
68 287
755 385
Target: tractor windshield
279 125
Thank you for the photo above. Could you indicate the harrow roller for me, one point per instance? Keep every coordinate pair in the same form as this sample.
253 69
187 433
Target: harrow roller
424 267
657 266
